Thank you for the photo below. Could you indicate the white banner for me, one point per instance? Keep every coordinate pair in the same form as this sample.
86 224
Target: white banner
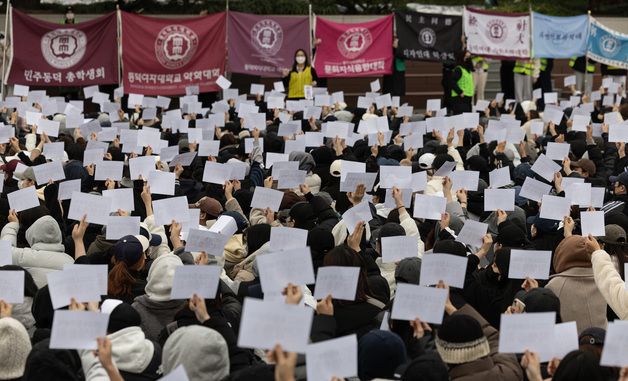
497 35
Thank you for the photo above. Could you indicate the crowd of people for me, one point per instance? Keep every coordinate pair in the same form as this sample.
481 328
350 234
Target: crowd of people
149 334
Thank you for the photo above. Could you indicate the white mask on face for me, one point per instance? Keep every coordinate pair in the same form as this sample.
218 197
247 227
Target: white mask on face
300 60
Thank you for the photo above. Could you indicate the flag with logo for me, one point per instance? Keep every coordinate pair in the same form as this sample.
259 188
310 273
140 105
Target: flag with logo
49 54
559 37
607 46
354 50
265 45
164 56
428 37
497 35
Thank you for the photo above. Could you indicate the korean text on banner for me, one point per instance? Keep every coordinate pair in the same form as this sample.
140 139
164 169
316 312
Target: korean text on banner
164 56
354 50
49 54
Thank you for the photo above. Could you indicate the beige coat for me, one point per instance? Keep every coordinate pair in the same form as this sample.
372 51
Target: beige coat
610 284
580 299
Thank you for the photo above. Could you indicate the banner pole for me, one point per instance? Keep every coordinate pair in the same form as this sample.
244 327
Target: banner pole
586 64
532 58
4 49
311 29
119 31
226 37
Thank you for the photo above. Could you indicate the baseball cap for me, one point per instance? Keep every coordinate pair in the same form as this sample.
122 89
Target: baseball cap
130 248
613 234
153 239
621 178
585 164
426 160
10 166
208 205
28 174
592 336
334 168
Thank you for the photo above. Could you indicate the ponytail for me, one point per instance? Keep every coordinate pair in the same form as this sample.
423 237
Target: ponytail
120 280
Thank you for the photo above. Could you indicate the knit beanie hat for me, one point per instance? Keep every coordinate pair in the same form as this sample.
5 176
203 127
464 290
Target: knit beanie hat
379 354
571 252
408 271
391 229
541 300
15 345
460 340
160 277
303 216
202 351
428 367
123 316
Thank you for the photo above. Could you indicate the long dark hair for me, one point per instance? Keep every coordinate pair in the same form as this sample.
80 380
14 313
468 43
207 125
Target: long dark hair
344 256
30 288
305 64
619 251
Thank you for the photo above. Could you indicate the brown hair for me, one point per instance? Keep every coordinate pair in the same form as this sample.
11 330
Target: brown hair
121 281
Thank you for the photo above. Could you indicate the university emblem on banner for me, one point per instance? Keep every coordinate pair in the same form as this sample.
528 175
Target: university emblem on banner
267 37
354 41
609 45
63 48
175 46
427 37
496 30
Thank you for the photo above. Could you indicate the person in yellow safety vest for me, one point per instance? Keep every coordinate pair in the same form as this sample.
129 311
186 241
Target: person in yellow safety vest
581 67
301 74
524 69
462 87
543 80
480 75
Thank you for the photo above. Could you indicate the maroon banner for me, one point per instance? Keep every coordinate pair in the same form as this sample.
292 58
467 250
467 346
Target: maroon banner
355 49
265 45
164 56
49 54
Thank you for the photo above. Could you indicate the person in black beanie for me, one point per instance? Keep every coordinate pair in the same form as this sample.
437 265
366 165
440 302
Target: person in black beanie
428 367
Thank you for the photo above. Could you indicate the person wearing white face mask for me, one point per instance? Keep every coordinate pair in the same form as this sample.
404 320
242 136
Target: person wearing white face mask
300 75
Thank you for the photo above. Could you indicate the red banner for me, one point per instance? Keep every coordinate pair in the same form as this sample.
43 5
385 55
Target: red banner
264 45
164 56
354 50
49 54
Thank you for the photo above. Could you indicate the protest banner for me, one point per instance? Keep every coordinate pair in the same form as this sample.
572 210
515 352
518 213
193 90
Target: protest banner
496 34
607 46
559 37
428 37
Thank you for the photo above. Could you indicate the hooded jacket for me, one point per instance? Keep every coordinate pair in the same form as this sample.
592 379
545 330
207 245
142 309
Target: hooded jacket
155 314
574 284
46 252
133 353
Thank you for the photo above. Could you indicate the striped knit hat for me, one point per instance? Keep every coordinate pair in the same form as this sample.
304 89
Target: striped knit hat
460 340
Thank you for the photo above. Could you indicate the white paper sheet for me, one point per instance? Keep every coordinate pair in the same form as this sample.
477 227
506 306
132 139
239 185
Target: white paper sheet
141 166
119 226
161 182
465 180
529 331
23 199
592 223
534 190
212 243
332 358
100 272
65 285
12 286
266 198
545 167
425 303
173 208
77 329
216 173
533 264
503 199
200 280
111 170
615 351
265 324
429 207
48 171
395 176
339 281
449 268
472 232
396 248
554 207
353 179
285 238
121 198
360 212
278 269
